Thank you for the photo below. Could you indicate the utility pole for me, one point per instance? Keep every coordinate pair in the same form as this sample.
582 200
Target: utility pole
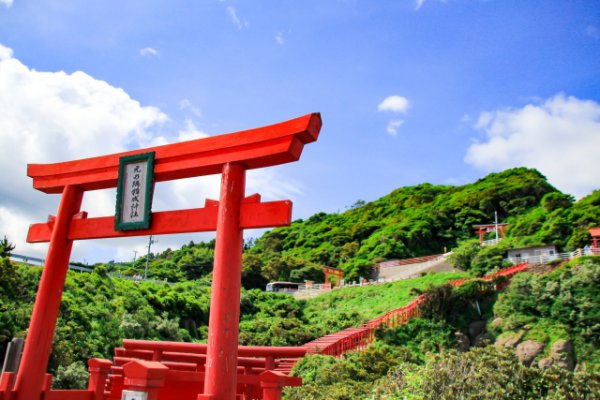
496 223
150 241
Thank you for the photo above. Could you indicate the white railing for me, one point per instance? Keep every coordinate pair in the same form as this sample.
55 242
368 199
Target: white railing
541 259
491 242
33 261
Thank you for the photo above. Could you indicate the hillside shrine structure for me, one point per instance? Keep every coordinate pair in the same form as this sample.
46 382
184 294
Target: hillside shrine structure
332 272
230 155
488 228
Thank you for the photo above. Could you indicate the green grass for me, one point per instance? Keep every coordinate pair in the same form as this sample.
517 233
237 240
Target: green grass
374 300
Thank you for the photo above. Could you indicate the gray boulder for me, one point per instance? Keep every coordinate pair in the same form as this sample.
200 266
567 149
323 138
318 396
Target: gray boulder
508 340
497 322
561 353
528 350
545 362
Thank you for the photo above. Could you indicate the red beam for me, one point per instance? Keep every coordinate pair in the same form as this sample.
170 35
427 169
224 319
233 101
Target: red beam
255 148
253 215
200 348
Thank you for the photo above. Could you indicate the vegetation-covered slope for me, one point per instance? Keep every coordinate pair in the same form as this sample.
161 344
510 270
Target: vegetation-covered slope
410 221
427 357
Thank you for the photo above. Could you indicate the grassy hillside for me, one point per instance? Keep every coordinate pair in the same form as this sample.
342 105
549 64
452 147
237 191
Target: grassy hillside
426 359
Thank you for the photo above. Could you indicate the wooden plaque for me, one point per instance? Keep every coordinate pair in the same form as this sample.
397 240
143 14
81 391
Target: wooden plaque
134 192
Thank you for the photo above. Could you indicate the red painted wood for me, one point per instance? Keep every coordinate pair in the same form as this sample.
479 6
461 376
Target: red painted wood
200 348
223 326
253 215
31 375
331 271
99 370
255 148
68 395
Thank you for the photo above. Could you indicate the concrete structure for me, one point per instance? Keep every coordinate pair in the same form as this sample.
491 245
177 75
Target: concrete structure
533 254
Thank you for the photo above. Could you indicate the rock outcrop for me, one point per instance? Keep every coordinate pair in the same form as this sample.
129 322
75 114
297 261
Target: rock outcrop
508 340
528 350
561 353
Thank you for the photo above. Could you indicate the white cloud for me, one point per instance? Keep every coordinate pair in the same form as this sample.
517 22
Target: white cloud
5 53
393 126
232 12
149 51
187 105
54 116
396 104
6 3
419 4
592 31
560 137
279 38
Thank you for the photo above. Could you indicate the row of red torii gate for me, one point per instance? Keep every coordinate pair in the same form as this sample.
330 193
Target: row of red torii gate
134 173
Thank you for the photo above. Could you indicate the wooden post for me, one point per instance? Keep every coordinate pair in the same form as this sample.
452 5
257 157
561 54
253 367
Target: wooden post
223 326
99 370
38 343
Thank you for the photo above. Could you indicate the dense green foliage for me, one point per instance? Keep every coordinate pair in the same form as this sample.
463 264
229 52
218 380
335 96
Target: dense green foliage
564 304
419 360
483 374
411 221
385 372
98 311
274 319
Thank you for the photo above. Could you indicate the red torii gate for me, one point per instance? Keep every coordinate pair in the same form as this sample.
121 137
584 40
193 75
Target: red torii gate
331 271
483 229
231 155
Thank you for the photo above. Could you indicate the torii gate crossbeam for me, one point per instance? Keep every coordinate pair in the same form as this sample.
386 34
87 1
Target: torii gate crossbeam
231 155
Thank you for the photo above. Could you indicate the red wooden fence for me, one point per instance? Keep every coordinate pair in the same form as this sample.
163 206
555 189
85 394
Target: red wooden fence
351 339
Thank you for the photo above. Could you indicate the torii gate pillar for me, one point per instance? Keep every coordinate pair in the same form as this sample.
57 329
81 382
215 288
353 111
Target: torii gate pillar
223 327
30 379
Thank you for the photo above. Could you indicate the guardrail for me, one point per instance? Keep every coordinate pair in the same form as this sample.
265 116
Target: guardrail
423 261
541 259
34 261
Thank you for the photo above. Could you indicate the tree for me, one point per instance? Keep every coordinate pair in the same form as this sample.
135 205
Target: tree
6 248
463 255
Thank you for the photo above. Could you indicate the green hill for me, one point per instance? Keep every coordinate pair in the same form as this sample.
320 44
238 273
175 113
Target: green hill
409 222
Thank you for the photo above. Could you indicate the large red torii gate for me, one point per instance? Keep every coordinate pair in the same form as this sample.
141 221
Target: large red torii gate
231 155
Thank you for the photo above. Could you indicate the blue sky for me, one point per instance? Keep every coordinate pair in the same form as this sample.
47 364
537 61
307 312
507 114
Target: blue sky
410 91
